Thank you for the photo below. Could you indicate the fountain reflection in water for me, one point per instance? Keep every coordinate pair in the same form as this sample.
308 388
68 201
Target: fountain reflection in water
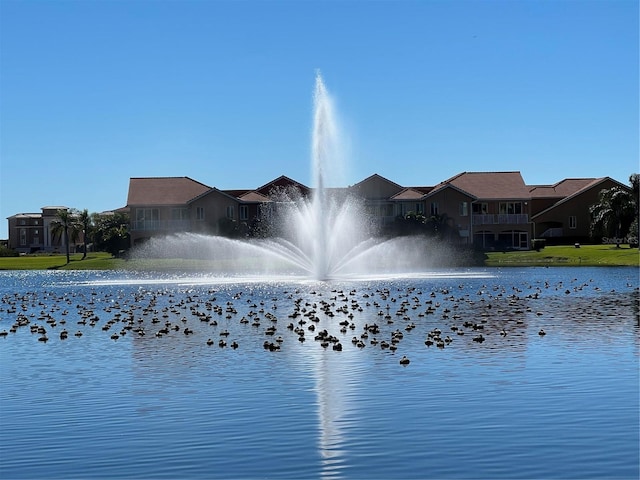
327 236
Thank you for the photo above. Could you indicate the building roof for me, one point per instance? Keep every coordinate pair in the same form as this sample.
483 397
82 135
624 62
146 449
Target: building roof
237 192
163 190
424 190
282 181
593 184
376 177
488 185
26 215
563 188
254 197
408 194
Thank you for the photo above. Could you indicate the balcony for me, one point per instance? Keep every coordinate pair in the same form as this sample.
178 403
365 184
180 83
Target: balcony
501 219
161 225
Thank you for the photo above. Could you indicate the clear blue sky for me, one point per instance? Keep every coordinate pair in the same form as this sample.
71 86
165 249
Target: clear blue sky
93 93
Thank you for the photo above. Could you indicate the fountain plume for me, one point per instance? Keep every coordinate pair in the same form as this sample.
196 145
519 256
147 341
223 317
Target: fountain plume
326 236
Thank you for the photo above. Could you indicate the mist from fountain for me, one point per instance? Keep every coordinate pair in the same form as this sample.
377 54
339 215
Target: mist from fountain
323 237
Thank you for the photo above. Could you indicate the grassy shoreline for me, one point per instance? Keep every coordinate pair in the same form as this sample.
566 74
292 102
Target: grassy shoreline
586 255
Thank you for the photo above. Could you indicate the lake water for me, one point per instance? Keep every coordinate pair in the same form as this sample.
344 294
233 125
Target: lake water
510 404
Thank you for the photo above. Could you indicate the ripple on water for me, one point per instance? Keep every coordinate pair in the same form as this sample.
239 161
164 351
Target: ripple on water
515 406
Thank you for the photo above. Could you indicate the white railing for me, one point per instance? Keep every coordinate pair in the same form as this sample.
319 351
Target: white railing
501 219
165 225
552 232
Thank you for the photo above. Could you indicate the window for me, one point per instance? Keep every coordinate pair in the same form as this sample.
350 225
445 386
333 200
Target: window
147 218
23 237
147 214
573 222
243 211
179 214
230 211
510 207
480 208
513 239
463 209
419 208
199 213
435 210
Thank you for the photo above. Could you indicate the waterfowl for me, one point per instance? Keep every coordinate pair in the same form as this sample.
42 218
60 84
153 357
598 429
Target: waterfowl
404 360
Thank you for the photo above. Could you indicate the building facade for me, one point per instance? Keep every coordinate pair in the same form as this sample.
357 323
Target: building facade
489 210
32 232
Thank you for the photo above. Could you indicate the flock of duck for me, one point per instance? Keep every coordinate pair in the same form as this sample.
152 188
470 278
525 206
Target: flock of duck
335 319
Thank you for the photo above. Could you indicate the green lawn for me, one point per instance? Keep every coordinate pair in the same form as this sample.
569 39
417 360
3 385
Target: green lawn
586 255
94 261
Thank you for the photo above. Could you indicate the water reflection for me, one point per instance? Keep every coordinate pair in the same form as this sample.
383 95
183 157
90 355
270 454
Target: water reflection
306 410
333 406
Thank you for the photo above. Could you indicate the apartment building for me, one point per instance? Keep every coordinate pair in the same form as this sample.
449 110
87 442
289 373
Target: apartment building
490 210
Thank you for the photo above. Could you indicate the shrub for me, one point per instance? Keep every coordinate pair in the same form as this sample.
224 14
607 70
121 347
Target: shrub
538 244
7 252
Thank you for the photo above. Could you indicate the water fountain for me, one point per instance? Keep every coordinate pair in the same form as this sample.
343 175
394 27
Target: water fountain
326 236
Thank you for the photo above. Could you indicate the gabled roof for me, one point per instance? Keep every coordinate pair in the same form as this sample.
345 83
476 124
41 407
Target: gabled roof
254 197
593 184
488 185
376 187
237 193
282 181
424 190
408 194
562 189
212 191
164 190
376 177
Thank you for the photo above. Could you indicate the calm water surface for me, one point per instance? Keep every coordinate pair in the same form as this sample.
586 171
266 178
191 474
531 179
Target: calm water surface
515 405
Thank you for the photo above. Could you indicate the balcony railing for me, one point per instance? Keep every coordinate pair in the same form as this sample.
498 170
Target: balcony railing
501 219
162 225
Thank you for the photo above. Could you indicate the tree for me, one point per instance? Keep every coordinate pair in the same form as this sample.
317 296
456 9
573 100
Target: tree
66 226
85 222
634 180
440 226
111 232
613 214
410 224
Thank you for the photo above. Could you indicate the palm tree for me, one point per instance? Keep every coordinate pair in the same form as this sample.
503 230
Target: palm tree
111 232
65 226
85 222
441 226
613 214
634 180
